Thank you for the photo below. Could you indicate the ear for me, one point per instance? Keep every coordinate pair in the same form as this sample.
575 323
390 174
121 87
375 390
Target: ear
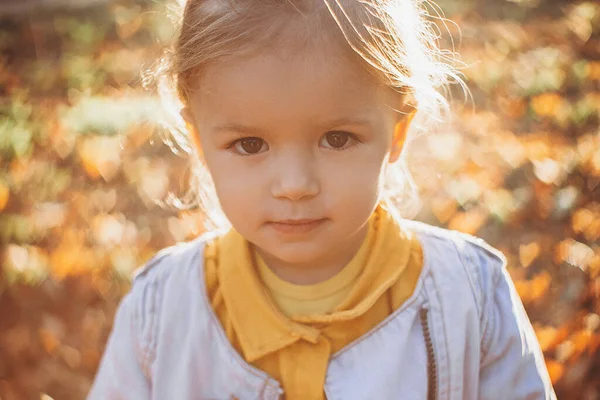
190 125
400 131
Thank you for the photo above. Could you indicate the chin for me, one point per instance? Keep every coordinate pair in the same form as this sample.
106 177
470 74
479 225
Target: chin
293 253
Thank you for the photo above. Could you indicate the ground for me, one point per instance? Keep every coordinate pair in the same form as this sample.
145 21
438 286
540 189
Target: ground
83 163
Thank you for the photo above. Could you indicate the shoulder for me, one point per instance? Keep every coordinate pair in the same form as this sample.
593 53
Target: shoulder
450 254
171 274
470 248
171 261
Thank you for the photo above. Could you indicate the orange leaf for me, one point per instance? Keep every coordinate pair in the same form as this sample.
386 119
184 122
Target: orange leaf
582 339
547 336
100 156
4 195
73 257
540 285
547 104
515 108
581 219
593 70
49 341
528 253
524 290
468 221
555 369
88 162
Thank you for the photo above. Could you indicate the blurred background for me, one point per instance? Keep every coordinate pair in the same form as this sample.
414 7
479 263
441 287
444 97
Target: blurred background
82 164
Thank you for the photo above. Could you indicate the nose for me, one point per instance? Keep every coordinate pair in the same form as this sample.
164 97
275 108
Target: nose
295 177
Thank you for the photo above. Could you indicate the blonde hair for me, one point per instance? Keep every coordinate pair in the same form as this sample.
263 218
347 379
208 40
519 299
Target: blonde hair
395 40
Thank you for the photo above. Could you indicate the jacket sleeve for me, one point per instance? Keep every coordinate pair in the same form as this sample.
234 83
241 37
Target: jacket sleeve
512 363
121 375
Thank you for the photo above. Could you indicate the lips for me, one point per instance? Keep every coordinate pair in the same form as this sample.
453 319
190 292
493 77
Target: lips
296 221
290 226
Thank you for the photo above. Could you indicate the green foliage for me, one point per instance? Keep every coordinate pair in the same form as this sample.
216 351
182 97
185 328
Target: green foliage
108 116
16 130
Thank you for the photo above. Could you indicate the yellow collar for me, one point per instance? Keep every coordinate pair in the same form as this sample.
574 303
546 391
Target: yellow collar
260 327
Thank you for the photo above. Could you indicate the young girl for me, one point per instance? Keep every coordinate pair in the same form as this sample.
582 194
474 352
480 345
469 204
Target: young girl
298 111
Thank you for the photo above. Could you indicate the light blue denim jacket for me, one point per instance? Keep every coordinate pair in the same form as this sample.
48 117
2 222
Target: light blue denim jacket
463 334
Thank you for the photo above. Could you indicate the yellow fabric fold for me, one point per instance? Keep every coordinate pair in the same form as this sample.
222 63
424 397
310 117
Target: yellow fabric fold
296 350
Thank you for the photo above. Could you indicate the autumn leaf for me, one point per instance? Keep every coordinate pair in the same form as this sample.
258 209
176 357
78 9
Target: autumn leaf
547 104
4 195
528 253
556 370
468 221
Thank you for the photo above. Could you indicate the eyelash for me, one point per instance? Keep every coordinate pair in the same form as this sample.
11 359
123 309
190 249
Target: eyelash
232 146
352 141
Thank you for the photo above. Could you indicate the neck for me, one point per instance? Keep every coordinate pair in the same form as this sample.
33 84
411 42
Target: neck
318 270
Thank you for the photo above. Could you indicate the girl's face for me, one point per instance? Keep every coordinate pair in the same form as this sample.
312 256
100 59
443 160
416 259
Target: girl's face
297 145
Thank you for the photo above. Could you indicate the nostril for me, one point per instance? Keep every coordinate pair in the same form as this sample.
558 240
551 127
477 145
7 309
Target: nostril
296 189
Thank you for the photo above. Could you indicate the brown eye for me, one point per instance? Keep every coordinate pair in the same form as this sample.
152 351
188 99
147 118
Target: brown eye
250 145
337 140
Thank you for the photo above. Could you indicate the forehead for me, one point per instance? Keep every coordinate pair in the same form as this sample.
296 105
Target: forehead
279 85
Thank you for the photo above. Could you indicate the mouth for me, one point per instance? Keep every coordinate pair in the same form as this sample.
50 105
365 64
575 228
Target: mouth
290 226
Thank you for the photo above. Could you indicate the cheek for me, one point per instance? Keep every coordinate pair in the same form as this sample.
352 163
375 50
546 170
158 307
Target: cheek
358 181
236 202
237 187
227 174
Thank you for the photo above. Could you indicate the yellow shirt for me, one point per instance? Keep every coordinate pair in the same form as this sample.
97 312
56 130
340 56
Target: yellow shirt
296 350
321 298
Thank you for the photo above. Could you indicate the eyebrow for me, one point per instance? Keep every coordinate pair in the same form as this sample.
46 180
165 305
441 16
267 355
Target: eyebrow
349 121
235 127
232 127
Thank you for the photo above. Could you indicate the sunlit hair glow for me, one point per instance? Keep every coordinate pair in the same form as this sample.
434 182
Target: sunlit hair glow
394 40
